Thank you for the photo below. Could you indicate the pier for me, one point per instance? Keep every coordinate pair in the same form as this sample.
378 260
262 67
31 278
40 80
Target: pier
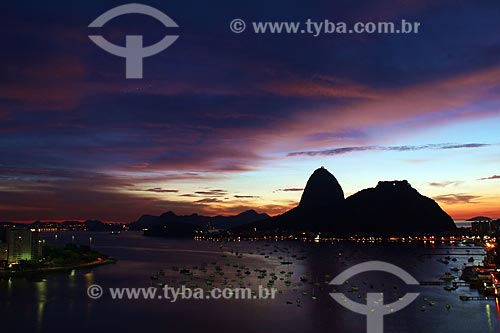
445 283
455 254
477 298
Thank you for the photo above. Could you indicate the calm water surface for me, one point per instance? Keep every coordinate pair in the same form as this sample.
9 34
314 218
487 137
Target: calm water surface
59 303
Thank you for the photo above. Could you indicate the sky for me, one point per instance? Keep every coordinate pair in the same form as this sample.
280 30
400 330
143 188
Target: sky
224 122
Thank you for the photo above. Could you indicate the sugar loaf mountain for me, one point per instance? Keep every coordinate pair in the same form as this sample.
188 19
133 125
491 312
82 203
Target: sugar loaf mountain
392 207
389 208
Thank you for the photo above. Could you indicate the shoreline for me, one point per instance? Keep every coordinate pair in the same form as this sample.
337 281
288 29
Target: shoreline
49 270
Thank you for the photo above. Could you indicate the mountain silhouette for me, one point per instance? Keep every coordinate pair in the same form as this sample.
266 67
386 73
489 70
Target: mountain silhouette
395 206
218 222
391 207
322 193
480 219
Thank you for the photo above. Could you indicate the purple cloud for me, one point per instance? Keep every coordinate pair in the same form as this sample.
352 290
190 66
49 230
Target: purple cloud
491 177
346 150
456 198
445 183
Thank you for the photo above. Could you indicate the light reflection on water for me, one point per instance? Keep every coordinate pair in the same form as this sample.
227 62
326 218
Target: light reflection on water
42 299
61 303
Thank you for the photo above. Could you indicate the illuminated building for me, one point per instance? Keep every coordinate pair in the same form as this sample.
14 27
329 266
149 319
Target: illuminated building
23 244
3 254
489 227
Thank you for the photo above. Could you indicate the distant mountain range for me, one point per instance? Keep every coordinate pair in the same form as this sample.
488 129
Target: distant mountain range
157 224
391 207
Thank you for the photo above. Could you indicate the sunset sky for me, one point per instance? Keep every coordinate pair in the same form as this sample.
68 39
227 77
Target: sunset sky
224 122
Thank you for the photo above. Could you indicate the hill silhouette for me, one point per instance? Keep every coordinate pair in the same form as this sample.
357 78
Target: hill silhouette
480 219
322 193
322 202
218 222
391 207
395 206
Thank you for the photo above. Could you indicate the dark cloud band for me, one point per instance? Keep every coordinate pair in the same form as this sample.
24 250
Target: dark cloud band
347 150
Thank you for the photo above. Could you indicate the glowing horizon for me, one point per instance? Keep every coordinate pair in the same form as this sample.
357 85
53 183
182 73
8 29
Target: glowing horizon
242 123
